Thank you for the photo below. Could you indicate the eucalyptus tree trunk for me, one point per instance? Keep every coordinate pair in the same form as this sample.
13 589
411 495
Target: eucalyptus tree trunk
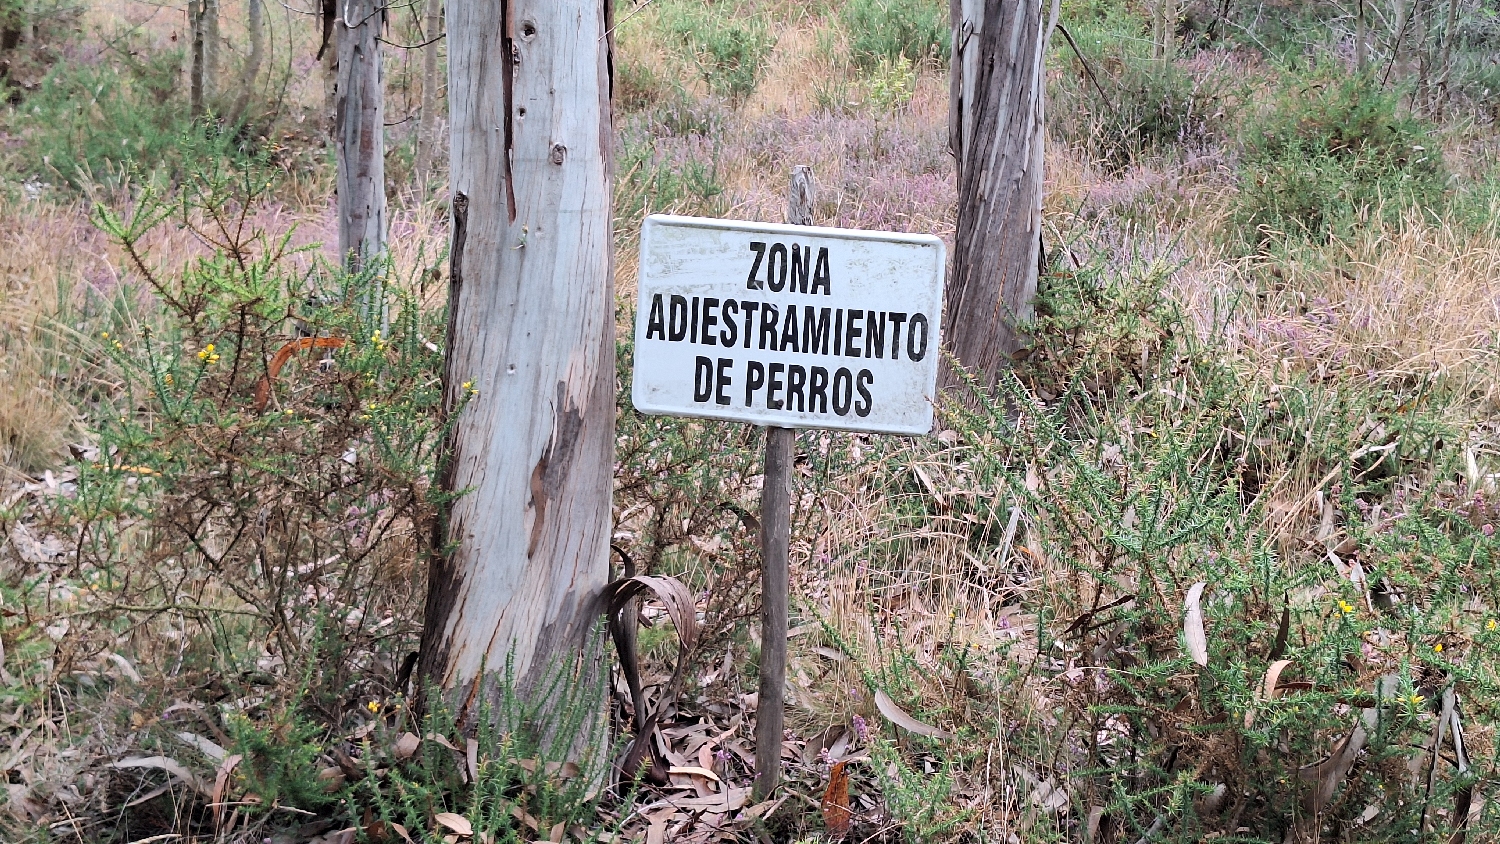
359 139
532 330
996 131
210 47
432 27
257 33
1362 40
1444 60
195 56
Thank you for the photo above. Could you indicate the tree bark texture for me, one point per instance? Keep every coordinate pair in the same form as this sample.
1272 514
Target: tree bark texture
531 325
432 27
359 139
211 40
195 57
255 23
996 132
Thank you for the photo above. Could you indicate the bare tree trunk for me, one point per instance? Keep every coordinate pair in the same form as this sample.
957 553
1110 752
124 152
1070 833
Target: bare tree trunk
531 325
1445 60
996 132
359 139
256 25
1163 30
329 58
210 46
427 128
1362 40
195 57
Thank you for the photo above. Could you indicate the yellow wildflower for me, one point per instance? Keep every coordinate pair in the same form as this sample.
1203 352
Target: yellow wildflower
1438 648
1345 607
1491 625
373 706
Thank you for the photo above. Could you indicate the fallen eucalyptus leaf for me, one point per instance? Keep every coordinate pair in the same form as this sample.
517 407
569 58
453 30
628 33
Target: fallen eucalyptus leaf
900 718
1192 625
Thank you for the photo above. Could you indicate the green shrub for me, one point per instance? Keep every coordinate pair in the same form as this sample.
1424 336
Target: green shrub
95 121
1118 104
1163 464
280 760
891 29
1331 153
729 52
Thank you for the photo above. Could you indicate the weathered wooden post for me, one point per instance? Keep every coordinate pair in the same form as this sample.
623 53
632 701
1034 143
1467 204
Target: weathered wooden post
775 538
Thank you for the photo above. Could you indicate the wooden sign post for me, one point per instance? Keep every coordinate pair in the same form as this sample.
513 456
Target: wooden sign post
786 326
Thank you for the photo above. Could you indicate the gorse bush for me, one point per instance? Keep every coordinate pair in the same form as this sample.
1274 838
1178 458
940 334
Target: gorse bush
517 784
1332 152
729 52
286 512
889 30
1118 104
95 121
1183 665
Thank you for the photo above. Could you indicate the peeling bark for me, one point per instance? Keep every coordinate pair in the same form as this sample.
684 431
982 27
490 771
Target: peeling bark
531 325
996 132
359 139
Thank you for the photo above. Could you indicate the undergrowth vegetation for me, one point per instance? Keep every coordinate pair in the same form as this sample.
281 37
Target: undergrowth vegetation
1215 562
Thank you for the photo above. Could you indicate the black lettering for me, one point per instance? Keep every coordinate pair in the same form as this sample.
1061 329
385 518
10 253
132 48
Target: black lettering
796 378
776 268
815 331
656 324
817 390
759 249
913 350
730 332
710 304
801 264
768 317
790 342
875 334
852 330
722 381
703 378
897 317
755 378
677 319
693 327
820 273
749 309
838 331
773 386
843 391
862 407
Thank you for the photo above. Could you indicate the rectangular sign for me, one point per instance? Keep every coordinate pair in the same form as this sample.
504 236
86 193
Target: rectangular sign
793 326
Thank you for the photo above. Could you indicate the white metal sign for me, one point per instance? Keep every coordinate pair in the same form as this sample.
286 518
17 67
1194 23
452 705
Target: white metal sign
793 326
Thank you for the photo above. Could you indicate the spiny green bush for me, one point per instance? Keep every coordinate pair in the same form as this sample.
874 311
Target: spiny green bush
1118 104
1201 657
94 121
528 771
283 512
1330 152
729 51
888 30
